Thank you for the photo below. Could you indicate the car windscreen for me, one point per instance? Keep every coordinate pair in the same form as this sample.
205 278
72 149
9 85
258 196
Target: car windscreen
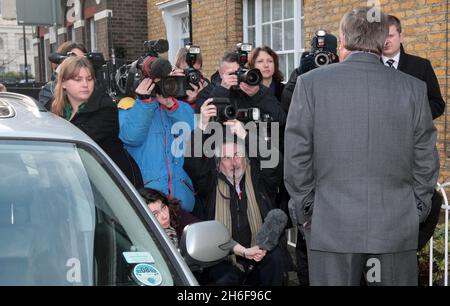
64 221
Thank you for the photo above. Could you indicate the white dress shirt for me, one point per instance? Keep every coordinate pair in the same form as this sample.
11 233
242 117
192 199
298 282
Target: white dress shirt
395 58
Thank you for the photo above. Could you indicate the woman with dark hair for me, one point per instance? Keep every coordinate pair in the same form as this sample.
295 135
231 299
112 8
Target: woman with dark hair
266 60
168 212
173 219
93 112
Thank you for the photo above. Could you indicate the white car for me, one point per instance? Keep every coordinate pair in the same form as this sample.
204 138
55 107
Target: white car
69 216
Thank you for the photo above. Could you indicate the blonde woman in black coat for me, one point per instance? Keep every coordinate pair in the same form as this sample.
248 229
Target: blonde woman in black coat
93 112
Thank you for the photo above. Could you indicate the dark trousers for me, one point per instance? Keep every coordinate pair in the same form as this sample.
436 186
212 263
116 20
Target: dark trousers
271 271
345 269
301 254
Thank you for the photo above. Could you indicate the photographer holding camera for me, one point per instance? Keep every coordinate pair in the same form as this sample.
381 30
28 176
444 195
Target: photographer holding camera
68 48
323 52
146 130
235 190
242 86
188 62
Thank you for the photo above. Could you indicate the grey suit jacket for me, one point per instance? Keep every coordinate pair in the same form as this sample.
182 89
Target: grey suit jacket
360 156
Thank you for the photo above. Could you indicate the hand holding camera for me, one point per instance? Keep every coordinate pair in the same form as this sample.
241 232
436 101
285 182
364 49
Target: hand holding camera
145 88
229 79
236 128
193 93
207 111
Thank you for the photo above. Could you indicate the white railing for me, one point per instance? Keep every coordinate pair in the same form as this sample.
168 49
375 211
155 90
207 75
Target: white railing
446 208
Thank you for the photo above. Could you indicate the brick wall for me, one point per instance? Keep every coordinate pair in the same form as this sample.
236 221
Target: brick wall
424 26
216 25
129 26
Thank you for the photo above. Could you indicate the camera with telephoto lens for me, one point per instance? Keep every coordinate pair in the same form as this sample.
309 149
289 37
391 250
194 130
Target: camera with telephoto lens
227 111
96 58
322 56
252 77
192 75
129 76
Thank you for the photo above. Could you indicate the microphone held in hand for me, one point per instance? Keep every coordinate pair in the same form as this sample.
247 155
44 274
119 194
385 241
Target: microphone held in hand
274 224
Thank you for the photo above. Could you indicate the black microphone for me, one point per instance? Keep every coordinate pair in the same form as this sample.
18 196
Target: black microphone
56 58
270 232
160 68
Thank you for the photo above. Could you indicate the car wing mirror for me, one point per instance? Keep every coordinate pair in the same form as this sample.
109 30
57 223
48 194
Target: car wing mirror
204 244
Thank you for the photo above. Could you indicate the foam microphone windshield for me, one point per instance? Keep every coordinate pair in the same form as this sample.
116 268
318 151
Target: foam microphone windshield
274 224
160 68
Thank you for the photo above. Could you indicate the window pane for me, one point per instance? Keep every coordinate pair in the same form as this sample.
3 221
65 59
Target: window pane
282 58
277 10
289 35
265 10
277 36
291 65
251 12
266 35
251 36
288 9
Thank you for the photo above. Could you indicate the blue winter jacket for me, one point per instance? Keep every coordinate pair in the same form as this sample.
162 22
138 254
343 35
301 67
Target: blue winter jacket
147 133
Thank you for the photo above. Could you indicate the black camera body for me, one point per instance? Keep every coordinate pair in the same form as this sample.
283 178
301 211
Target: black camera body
252 77
96 58
156 47
171 86
151 66
322 56
227 111
192 75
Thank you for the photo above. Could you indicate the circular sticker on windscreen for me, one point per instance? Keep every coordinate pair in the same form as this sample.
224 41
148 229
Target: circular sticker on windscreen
147 275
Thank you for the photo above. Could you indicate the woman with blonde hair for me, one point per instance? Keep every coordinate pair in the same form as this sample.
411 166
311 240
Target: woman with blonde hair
92 111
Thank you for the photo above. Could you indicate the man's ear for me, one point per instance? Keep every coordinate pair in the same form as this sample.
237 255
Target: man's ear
402 36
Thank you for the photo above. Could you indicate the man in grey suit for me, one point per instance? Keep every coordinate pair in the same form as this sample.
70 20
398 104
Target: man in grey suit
360 161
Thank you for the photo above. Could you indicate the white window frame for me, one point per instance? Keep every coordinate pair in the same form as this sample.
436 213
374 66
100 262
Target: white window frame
172 12
298 31
93 34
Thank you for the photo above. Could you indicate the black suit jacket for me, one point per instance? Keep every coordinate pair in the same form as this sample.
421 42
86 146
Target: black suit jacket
421 68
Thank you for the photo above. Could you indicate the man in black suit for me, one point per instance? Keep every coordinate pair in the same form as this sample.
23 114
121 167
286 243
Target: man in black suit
394 56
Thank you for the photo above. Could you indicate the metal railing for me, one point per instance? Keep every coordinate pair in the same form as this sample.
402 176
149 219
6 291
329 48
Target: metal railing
446 208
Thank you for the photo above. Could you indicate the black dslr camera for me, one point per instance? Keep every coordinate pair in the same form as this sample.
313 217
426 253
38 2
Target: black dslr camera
193 75
250 76
322 56
227 111
151 66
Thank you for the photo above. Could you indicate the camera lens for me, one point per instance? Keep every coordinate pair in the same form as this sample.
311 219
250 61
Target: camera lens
321 59
194 77
253 77
229 112
170 86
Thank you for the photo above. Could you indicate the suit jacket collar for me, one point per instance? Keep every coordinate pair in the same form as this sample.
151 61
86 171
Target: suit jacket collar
401 61
364 57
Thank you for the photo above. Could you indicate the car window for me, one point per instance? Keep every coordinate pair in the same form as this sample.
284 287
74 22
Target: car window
64 221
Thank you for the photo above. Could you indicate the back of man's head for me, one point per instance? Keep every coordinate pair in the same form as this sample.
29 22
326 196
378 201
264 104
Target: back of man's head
364 29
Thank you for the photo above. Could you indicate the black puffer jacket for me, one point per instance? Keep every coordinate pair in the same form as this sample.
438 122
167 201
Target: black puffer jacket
267 103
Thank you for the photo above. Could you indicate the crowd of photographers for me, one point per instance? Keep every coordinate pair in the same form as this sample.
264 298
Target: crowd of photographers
182 137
